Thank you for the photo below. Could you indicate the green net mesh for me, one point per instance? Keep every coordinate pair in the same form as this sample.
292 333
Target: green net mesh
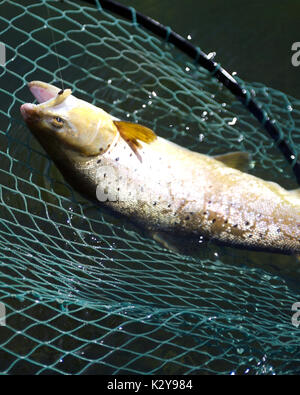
87 292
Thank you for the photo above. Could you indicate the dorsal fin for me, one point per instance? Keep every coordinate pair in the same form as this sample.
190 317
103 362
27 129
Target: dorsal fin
132 132
237 160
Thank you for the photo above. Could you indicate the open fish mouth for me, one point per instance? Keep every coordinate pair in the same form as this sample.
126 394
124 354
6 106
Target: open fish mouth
43 93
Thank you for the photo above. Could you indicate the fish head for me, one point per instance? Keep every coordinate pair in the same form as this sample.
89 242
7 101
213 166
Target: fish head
62 120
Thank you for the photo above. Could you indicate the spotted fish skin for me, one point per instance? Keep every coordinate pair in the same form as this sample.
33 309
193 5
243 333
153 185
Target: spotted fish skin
176 190
165 187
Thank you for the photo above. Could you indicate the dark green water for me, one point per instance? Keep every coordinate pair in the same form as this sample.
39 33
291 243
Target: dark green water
253 38
76 253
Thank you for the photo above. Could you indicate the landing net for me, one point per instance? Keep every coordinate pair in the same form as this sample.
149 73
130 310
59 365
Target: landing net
87 292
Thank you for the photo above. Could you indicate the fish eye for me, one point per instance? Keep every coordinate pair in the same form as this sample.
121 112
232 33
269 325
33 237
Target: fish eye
57 122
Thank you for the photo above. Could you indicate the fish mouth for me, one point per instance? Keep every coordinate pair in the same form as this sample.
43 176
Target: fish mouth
28 111
43 93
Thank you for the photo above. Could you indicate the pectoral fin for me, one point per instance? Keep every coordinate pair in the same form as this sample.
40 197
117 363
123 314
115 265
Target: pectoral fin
132 133
236 160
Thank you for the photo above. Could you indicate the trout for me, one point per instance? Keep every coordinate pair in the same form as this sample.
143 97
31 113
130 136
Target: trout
158 184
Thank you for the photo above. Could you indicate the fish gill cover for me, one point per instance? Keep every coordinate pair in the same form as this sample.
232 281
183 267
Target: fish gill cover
87 292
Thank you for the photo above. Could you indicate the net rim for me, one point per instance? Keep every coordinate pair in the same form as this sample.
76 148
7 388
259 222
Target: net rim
216 70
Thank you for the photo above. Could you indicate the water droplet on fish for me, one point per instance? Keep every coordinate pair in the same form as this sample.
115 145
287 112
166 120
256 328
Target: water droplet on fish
187 69
189 37
201 137
289 108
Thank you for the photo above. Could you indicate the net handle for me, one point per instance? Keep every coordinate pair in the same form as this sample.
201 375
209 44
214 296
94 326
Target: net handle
214 68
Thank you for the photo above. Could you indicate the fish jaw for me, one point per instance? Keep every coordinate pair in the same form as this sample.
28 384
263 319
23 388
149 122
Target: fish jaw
28 111
68 121
43 91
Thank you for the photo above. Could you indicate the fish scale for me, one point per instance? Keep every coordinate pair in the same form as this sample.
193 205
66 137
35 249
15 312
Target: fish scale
198 199
159 184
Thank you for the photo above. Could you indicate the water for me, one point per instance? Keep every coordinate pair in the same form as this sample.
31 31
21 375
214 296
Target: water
253 38
213 301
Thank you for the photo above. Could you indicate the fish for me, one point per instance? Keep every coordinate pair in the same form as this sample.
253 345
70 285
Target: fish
158 184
